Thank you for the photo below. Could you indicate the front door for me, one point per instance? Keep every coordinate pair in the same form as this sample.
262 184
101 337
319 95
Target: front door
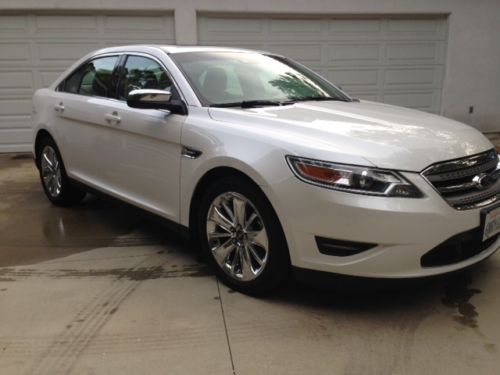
142 163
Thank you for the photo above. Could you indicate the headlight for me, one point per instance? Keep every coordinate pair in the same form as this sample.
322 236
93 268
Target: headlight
352 178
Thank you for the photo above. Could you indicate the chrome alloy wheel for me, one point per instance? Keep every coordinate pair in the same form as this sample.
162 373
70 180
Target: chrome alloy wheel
237 236
51 171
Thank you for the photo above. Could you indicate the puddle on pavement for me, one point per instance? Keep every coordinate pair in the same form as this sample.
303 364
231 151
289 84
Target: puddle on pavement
458 295
33 230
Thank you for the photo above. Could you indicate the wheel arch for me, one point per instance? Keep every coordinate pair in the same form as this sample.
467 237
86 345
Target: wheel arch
215 174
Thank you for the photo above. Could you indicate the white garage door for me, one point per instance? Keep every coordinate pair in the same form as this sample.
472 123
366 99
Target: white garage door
397 61
35 49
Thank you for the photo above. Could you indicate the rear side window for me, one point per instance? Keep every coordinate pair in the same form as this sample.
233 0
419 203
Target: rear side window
94 78
143 73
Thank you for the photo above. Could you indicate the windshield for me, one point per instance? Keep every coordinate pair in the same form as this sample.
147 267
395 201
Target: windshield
232 77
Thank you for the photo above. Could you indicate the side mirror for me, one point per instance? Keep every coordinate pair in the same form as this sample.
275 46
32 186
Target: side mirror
155 99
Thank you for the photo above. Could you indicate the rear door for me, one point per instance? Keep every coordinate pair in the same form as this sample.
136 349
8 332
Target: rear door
84 131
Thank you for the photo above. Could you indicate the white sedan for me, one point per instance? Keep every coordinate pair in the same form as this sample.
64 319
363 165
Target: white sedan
270 167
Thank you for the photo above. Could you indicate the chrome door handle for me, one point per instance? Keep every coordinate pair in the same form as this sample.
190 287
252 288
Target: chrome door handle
112 117
59 107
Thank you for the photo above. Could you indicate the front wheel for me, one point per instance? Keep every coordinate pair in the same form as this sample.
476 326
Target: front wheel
242 237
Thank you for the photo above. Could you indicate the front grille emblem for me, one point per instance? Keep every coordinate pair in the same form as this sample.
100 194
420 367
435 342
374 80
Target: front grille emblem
483 181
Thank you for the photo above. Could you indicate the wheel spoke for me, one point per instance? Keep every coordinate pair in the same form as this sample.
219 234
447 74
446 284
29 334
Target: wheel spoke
254 254
250 220
259 238
46 178
235 260
51 155
214 235
52 185
222 252
49 164
246 266
219 219
239 210
229 212
58 183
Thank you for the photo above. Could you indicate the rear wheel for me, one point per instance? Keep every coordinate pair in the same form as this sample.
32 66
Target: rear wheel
55 182
242 237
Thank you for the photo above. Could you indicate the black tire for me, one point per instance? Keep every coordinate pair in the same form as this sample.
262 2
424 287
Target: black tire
67 194
277 266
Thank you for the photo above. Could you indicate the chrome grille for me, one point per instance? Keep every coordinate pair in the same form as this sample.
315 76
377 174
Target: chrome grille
460 181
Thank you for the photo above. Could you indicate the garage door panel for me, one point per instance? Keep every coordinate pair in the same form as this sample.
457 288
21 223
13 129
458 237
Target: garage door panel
352 79
64 53
414 53
398 60
278 26
241 44
15 52
16 81
68 24
427 77
430 29
36 49
15 122
225 25
137 40
138 24
359 27
19 137
46 77
9 23
355 53
374 97
425 101
300 52
15 106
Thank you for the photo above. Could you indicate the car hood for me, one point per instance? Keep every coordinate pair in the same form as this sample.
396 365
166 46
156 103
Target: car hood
384 135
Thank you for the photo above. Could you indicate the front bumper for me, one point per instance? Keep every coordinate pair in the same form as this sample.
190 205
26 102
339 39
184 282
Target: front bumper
403 229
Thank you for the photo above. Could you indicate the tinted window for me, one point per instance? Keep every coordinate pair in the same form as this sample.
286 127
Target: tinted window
143 73
95 78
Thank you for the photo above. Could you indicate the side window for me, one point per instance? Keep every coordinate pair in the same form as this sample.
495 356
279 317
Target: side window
95 78
143 73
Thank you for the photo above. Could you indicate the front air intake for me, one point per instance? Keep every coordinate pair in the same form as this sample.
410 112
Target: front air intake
340 248
458 248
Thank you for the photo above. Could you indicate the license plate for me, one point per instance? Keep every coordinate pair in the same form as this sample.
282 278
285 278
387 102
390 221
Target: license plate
491 223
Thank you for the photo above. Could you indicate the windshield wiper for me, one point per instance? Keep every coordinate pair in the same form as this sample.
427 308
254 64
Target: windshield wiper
252 103
321 98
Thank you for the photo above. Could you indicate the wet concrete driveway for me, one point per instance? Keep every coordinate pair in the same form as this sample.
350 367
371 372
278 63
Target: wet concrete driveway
97 289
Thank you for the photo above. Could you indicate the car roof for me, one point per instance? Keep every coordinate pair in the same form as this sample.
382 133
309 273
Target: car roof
170 49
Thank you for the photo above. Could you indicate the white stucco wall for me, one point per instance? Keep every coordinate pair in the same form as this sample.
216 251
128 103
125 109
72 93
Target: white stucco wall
472 76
